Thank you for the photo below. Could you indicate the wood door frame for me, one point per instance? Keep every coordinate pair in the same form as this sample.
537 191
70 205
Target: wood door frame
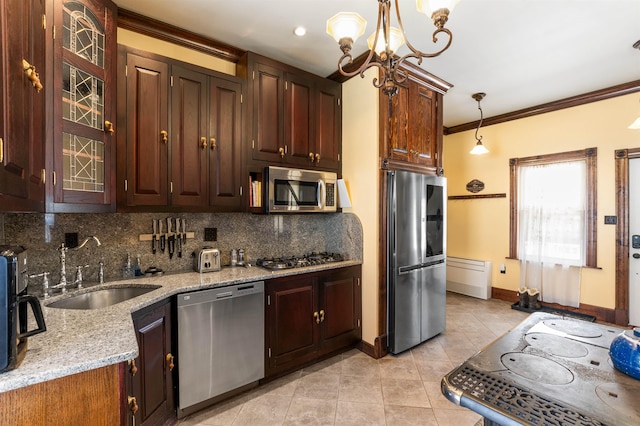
622 157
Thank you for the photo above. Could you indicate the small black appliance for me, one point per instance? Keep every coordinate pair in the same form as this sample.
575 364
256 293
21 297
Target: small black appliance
14 302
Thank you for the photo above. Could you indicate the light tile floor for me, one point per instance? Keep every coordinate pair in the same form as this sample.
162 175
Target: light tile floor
355 389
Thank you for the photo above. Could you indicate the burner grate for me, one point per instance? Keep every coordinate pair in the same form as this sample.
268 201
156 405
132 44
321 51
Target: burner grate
516 401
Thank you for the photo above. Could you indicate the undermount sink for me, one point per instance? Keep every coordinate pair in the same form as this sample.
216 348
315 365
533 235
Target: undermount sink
102 298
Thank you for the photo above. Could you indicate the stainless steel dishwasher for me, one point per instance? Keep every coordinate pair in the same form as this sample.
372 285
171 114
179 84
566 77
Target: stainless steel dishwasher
220 342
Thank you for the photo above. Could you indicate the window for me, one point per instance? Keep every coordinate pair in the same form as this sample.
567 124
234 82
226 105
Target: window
553 208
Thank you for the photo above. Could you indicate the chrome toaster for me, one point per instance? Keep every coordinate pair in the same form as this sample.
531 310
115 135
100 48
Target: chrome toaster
207 260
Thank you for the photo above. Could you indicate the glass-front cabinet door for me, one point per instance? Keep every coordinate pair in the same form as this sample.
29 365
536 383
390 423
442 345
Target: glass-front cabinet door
84 104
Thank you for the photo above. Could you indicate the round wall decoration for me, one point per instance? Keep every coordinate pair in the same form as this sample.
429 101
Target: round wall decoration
475 186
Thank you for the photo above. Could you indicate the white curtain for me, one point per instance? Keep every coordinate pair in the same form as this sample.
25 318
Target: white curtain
551 229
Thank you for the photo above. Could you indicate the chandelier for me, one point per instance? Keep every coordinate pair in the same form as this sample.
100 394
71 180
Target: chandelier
346 27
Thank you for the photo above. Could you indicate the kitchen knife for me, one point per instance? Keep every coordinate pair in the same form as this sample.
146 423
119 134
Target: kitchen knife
162 236
184 231
178 239
171 238
153 236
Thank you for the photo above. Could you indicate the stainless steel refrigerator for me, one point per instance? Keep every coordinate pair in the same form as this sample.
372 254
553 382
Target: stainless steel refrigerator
416 280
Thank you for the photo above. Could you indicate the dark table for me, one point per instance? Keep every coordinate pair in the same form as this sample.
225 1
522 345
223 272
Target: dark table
549 370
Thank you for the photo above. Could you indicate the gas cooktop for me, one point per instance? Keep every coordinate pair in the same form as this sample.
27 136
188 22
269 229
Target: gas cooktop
550 370
290 262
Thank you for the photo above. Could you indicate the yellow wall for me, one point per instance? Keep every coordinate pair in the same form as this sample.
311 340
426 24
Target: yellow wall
360 171
479 229
159 47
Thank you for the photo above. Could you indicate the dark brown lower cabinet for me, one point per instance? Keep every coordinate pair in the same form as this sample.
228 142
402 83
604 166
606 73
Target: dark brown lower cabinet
311 316
150 377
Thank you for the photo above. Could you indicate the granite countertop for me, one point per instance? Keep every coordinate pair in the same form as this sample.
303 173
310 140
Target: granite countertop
82 340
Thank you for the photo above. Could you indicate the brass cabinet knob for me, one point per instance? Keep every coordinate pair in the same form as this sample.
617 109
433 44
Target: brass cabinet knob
321 315
317 158
203 141
213 143
281 151
316 317
32 75
1 150
311 157
164 135
132 367
170 363
108 126
132 402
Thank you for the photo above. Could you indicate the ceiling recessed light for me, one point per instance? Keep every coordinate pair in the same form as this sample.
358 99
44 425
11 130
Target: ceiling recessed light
299 31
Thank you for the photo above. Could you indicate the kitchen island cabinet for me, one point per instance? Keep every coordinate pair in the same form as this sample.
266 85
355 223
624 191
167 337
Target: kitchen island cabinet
183 136
310 317
91 397
150 375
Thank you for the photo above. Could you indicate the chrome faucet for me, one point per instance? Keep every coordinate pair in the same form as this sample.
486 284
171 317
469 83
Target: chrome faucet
63 263
86 240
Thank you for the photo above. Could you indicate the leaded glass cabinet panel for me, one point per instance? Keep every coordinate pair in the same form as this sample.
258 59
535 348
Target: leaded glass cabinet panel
84 147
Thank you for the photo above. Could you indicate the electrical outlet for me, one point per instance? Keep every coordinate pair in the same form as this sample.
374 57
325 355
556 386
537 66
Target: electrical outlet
503 269
71 239
211 234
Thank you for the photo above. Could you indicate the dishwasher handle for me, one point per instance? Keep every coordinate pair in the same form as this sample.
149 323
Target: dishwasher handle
220 293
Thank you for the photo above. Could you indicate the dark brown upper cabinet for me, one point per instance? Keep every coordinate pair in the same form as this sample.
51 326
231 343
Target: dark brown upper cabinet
295 117
183 136
22 105
411 124
84 106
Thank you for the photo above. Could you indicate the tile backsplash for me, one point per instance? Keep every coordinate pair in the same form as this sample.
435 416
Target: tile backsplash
258 235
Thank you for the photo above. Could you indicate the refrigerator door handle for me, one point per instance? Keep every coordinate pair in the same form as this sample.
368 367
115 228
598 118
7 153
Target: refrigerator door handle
426 265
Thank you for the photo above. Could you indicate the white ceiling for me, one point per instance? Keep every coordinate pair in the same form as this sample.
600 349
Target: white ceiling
522 53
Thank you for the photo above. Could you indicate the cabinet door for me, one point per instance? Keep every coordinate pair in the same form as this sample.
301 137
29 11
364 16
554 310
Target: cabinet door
292 327
147 124
225 144
340 308
398 122
22 117
299 132
422 124
189 142
84 104
328 138
153 387
268 111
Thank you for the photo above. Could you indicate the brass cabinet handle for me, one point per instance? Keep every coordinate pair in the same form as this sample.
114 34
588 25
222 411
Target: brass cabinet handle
281 151
32 75
203 141
132 367
317 158
1 150
169 359
321 315
164 135
316 317
311 157
108 126
213 143
132 402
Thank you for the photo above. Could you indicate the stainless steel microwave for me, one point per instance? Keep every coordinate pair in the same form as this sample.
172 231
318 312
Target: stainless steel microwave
300 191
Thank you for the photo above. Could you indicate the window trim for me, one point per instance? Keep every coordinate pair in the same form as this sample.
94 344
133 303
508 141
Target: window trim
591 216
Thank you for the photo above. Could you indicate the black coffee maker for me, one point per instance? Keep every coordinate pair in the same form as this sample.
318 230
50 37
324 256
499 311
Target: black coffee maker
14 302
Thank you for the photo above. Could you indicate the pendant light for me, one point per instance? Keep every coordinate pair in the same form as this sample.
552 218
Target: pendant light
479 149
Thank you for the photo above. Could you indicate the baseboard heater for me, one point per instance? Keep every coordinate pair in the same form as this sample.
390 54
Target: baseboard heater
469 277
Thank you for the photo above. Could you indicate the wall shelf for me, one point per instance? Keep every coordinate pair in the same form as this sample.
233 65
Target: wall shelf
473 197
